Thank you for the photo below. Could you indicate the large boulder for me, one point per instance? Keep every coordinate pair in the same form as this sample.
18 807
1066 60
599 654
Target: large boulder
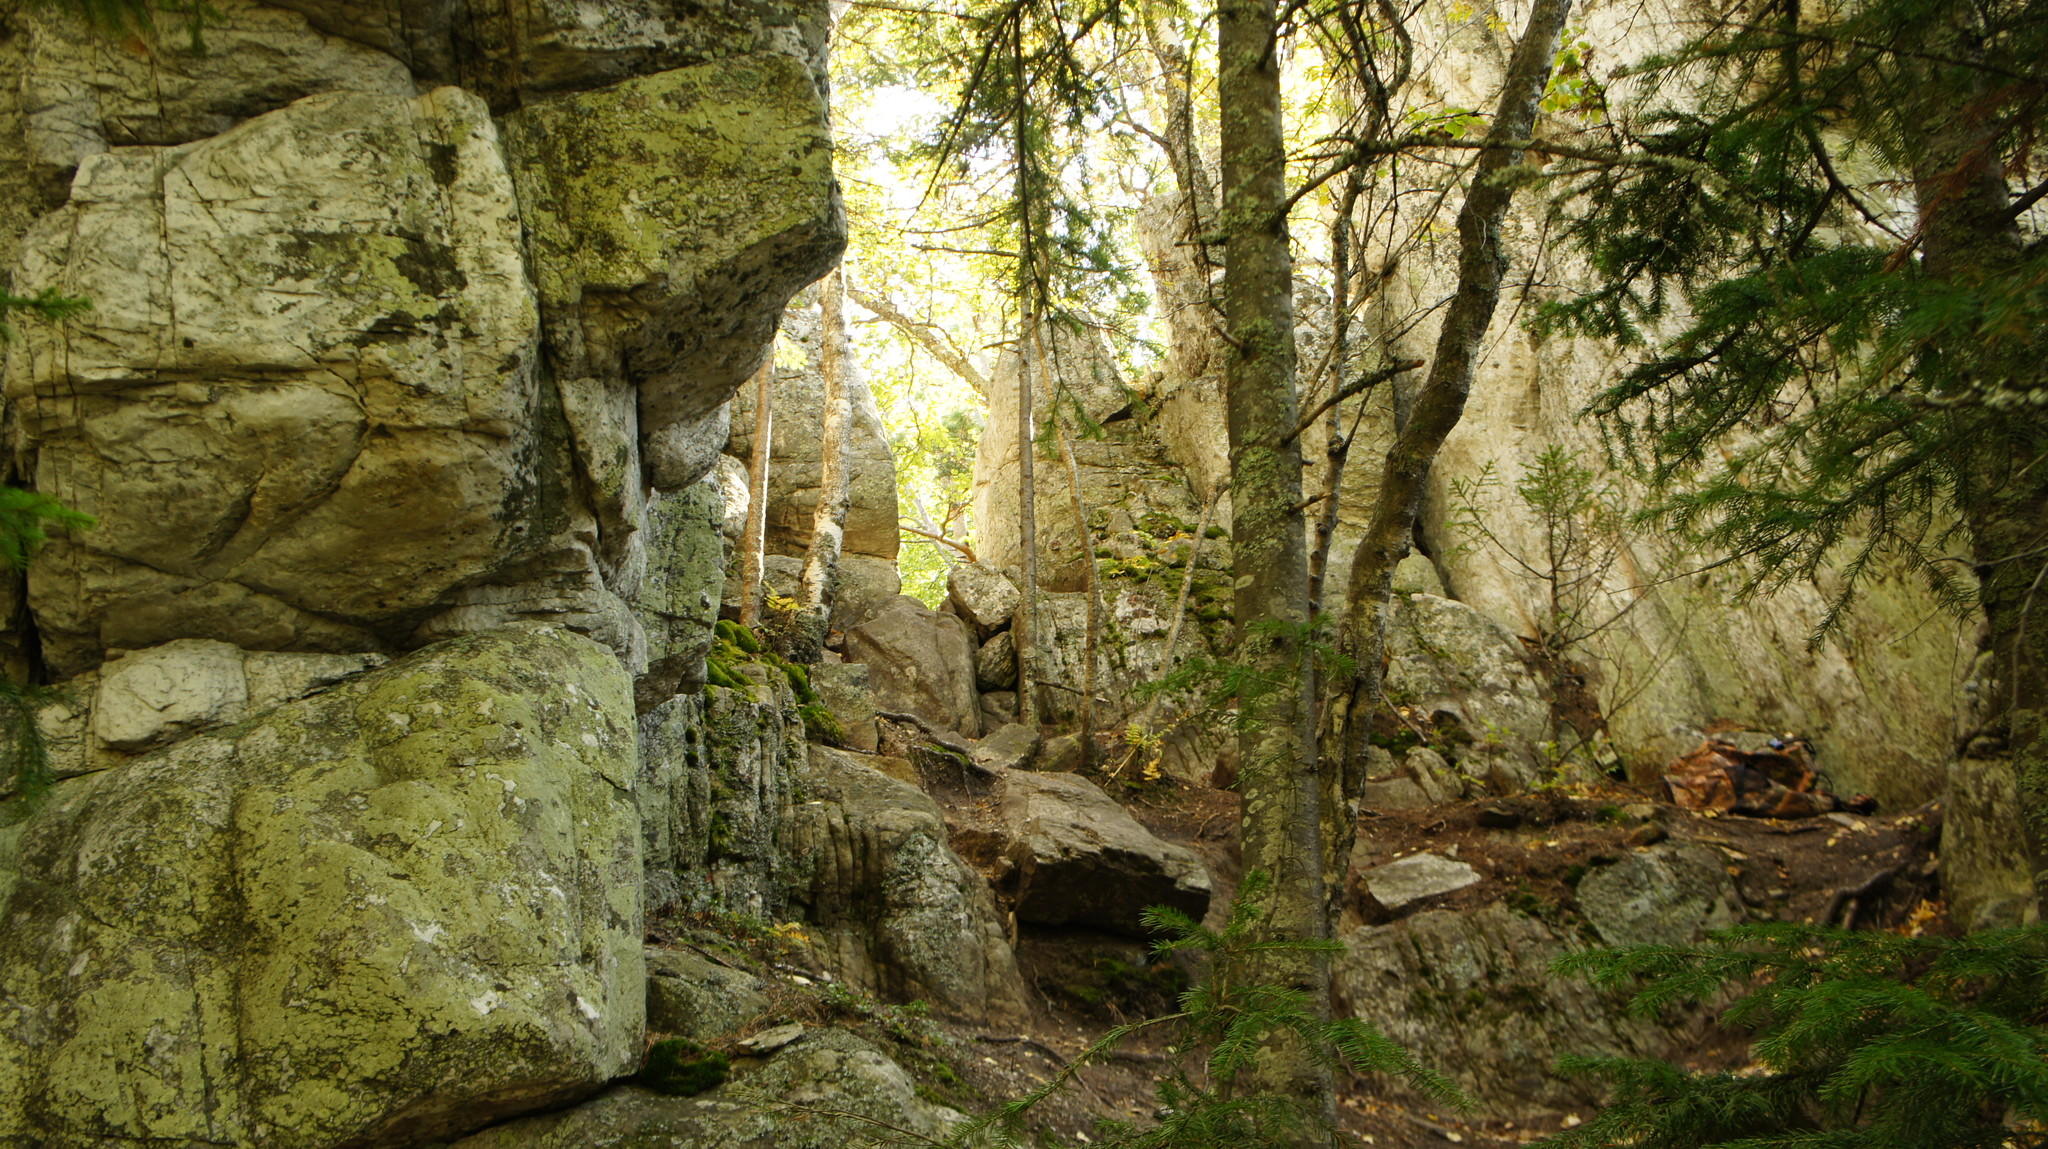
304 407
406 908
982 595
674 286
920 662
901 914
1082 860
839 1089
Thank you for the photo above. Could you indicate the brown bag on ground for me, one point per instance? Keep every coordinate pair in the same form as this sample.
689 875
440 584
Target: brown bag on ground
1760 784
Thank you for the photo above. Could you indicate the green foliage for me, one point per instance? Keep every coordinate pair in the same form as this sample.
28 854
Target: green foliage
48 305
1222 1023
680 1067
24 517
1844 369
1862 1041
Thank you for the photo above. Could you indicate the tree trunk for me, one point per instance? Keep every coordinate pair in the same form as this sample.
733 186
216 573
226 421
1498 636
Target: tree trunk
1283 806
1024 628
754 538
828 523
1968 233
1441 401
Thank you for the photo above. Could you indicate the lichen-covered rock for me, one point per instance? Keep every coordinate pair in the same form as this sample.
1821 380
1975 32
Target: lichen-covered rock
304 406
718 774
1665 895
921 662
1466 673
691 996
670 218
509 51
1082 860
1472 993
87 92
902 915
982 595
679 595
406 907
841 1091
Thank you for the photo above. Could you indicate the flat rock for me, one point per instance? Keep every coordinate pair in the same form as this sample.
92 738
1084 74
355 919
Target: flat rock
1084 861
1416 877
1010 747
983 596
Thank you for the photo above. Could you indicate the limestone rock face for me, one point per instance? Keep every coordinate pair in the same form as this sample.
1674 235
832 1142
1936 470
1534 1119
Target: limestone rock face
1083 861
824 1070
919 661
904 916
527 49
674 285
718 775
86 93
679 595
409 905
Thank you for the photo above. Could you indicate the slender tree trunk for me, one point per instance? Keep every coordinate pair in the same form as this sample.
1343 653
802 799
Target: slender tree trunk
1441 401
1283 814
754 538
828 522
1024 628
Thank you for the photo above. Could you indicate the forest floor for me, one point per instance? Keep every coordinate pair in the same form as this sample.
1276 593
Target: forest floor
1869 872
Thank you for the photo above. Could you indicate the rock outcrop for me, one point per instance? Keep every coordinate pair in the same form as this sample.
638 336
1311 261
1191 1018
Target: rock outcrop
903 915
838 1089
410 904
1081 860
919 662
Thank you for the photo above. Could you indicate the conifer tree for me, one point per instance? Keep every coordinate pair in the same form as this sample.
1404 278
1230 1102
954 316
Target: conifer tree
1822 227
